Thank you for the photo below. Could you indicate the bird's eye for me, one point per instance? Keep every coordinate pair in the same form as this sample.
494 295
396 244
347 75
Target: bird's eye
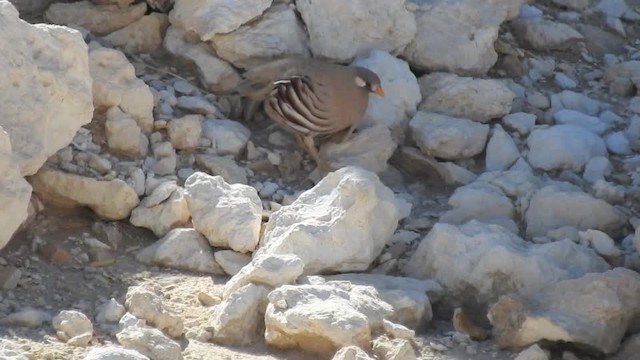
360 82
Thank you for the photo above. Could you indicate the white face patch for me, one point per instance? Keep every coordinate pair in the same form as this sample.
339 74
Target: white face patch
360 82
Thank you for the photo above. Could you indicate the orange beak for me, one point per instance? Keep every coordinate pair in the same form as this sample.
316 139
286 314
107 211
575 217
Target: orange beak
378 90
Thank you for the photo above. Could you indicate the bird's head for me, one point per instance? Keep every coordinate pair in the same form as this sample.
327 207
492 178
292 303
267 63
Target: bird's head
367 79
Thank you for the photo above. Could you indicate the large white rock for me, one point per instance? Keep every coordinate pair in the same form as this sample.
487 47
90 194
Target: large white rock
369 149
184 132
238 319
502 151
278 33
113 199
150 342
331 316
341 224
340 30
458 35
184 249
113 353
124 136
15 191
410 298
223 166
573 117
559 205
227 137
100 20
210 17
227 215
572 100
476 99
483 202
216 73
270 270
402 93
478 262
147 305
541 34
594 311
563 147
73 327
45 95
448 137
142 36
163 210
115 84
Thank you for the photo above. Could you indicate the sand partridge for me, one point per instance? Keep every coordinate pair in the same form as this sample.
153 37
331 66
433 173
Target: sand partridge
310 98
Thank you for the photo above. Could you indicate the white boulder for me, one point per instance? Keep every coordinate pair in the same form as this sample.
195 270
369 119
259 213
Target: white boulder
563 147
479 262
166 208
73 327
146 305
184 132
115 84
238 319
227 215
476 99
448 137
227 137
45 96
502 151
112 199
573 117
184 249
458 35
341 30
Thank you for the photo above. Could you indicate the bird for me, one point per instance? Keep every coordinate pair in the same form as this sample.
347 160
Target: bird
310 98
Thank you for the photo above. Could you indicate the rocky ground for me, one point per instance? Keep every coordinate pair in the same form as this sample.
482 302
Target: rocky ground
486 207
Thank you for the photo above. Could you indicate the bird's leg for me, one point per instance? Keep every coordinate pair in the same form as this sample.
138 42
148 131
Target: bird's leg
348 134
310 145
249 110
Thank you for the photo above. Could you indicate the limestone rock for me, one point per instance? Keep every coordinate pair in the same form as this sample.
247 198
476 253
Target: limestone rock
502 151
227 215
483 202
100 20
184 249
214 72
166 208
230 261
238 319
410 298
563 147
115 84
369 149
478 262
541 34
572 100
555 206
476 99
113 199
15 191
340 30
46 94
146 305
393 349
143 36
270 270
277 34
210 17
448 137
124 136
150 342
458 36
351 352
185 132
402 93
341 224
228 137
572 117
113 353
225 167
73 327
110 311
331 316
594 310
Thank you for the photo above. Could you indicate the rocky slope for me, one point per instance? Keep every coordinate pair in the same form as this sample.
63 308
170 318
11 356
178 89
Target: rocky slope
485 208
